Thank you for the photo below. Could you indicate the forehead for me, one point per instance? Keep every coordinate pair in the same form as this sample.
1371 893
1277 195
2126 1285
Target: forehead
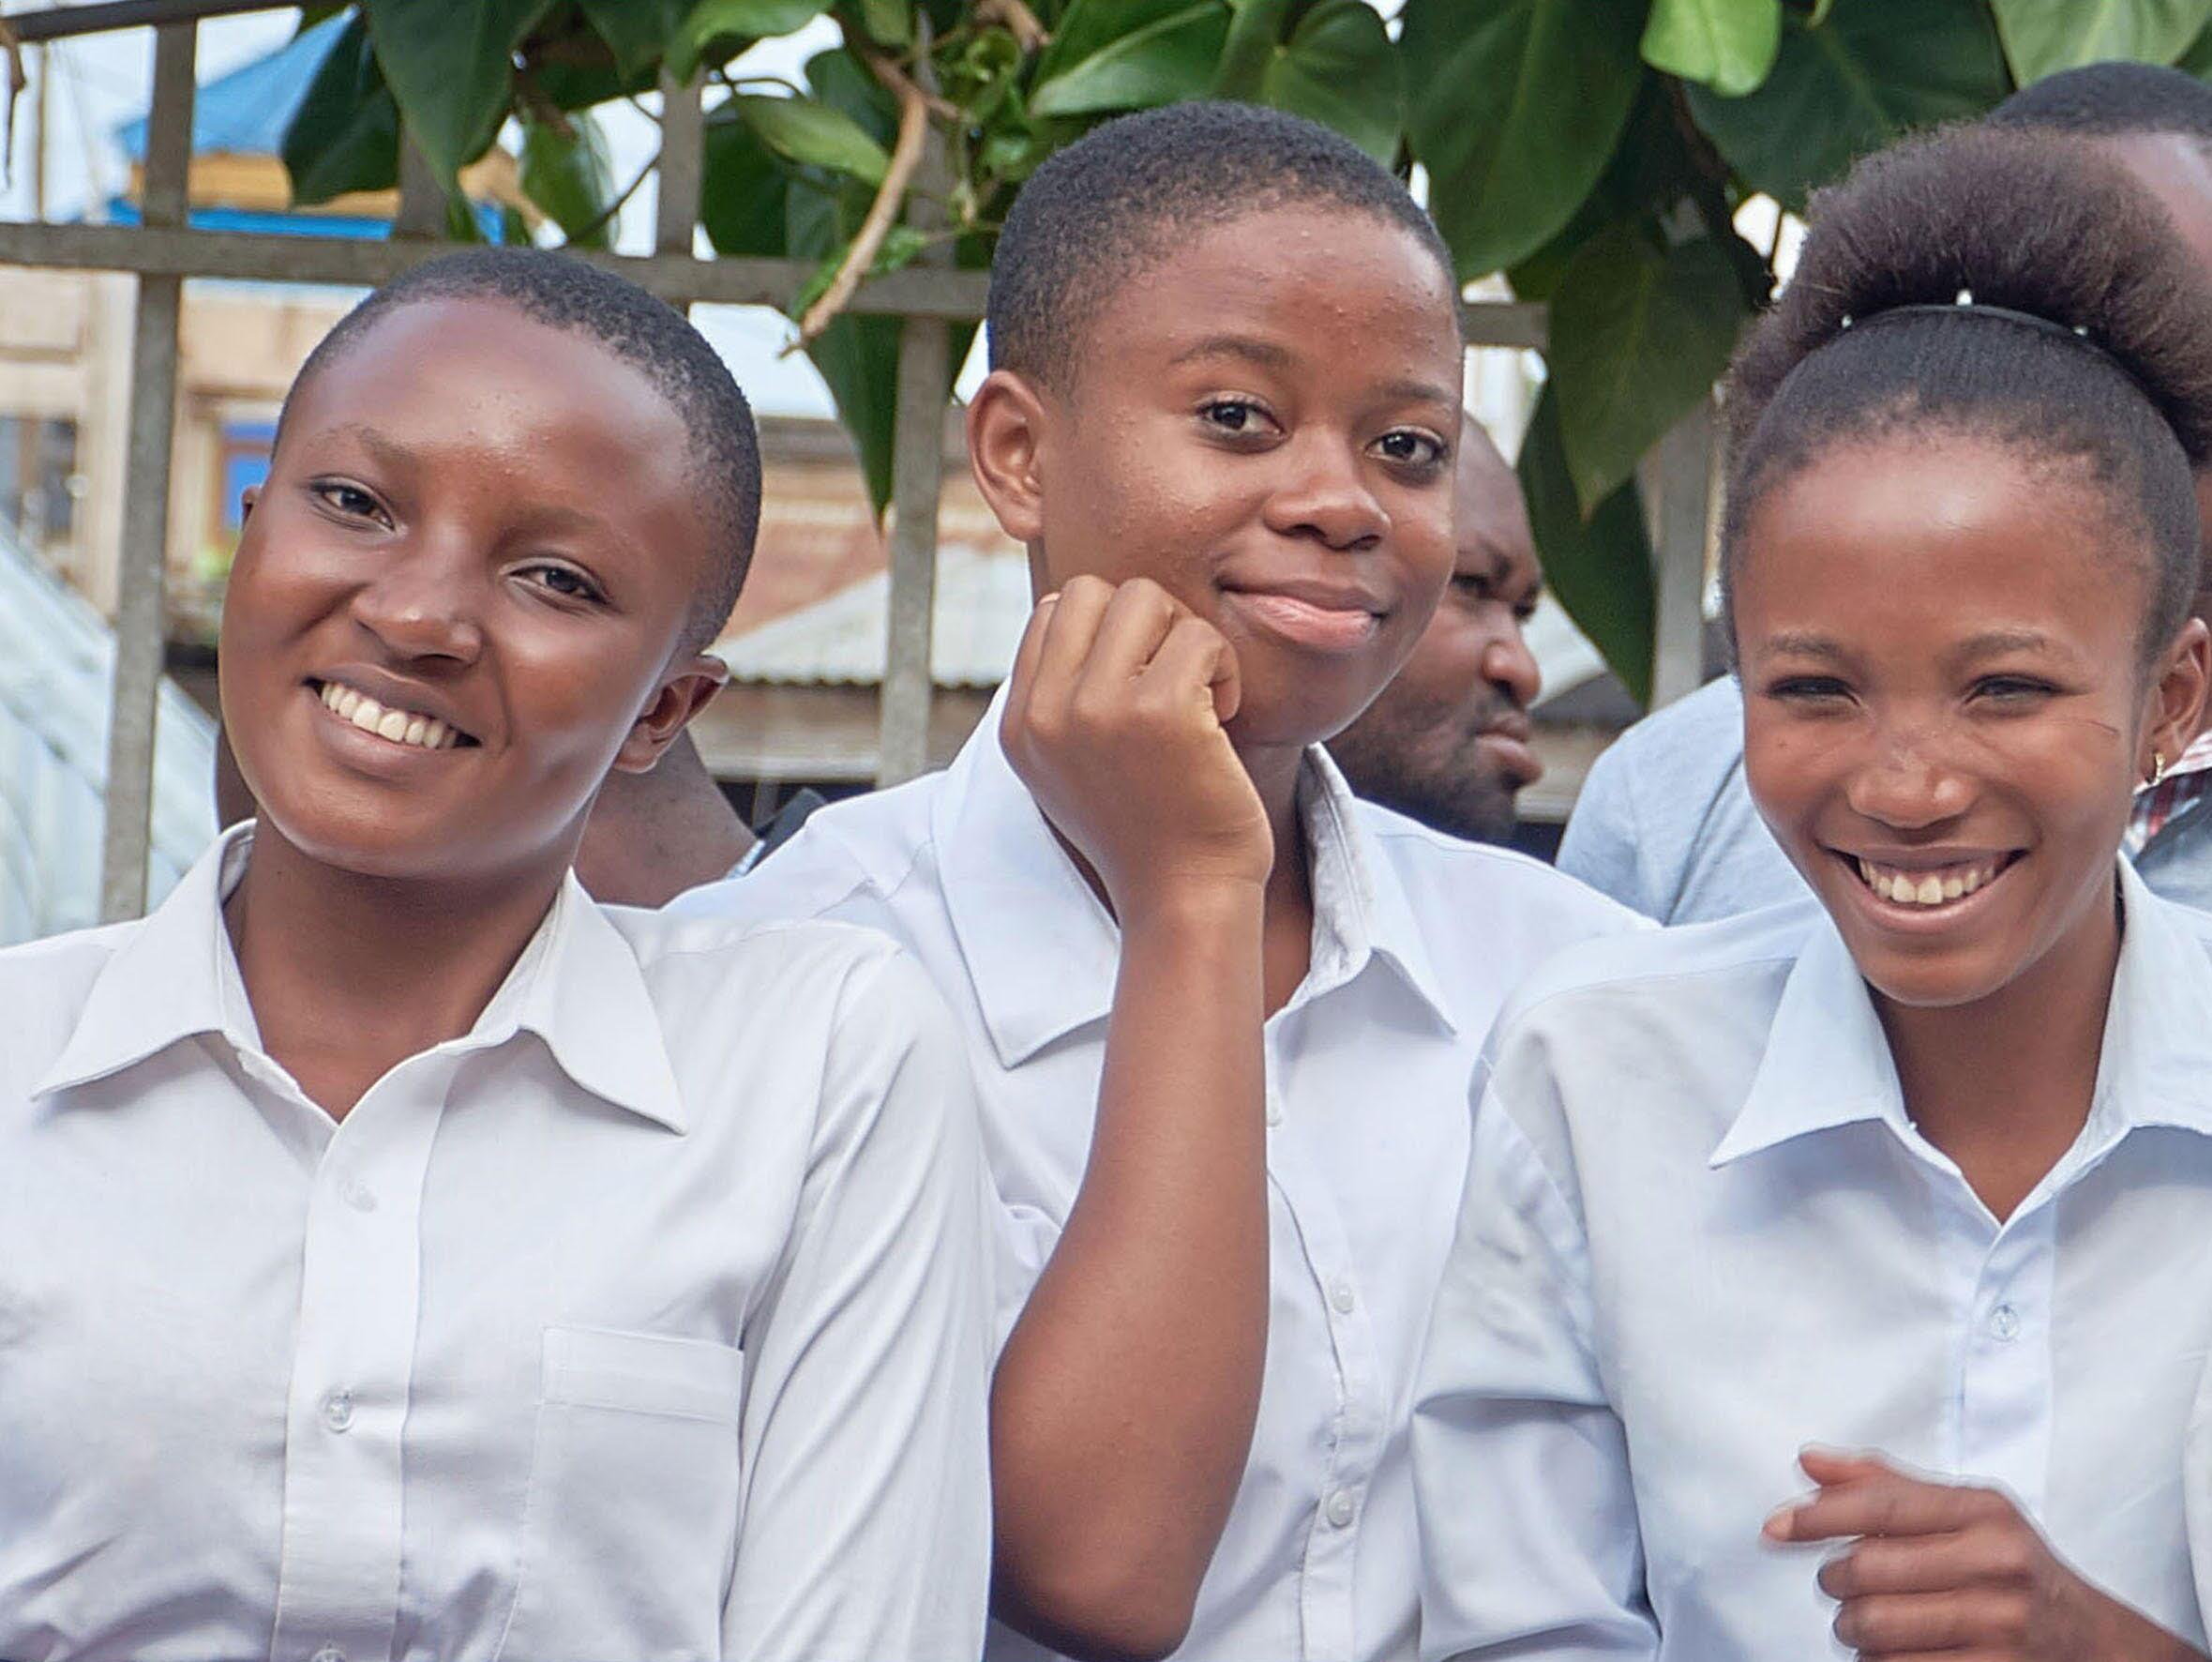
1488 511
480 378
1326 288
1884 540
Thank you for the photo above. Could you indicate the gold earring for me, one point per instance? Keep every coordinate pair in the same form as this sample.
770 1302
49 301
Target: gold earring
2157 766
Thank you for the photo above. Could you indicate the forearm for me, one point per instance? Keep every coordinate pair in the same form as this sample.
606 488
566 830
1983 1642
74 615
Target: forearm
1123 1403
2125 1635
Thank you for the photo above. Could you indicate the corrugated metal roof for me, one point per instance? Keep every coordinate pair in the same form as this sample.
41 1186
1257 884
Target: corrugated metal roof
983 602
57 657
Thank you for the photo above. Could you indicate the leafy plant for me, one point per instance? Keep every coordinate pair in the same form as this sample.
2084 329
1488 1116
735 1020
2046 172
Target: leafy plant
1595 151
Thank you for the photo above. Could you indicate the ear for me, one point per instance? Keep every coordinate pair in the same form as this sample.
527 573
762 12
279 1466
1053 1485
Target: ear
1005 442
683 692
2177 696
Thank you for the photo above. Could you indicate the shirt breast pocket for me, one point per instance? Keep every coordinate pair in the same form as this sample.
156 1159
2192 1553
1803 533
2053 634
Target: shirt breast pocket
631 1521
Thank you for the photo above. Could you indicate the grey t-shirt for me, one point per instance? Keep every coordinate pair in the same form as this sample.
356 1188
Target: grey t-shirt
1665 825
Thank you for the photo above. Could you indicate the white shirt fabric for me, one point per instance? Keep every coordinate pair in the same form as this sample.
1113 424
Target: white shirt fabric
648 1320
1700 1232
1417 940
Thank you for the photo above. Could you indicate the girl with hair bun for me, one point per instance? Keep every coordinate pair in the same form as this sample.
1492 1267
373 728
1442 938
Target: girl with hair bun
1832 1280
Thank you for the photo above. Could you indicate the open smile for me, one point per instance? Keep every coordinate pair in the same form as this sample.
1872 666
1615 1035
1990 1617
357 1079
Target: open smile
402 727
1926 888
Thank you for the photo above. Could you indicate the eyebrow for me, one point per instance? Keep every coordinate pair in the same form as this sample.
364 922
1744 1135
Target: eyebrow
1264 353
1806 644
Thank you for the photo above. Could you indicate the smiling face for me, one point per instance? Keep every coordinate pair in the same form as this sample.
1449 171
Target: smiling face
1263 423
461 596
1946 705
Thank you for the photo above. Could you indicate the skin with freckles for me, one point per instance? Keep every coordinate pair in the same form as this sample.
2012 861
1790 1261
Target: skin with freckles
1446 743
1941 646
1238 512
480 518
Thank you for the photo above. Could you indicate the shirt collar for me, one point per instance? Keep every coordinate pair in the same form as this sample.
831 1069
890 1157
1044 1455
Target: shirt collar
1828 1063
576 986
1042 950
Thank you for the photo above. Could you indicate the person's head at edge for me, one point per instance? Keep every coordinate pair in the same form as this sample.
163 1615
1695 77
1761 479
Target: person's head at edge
512 498
1446 743
1960 553
1226 357
2156 123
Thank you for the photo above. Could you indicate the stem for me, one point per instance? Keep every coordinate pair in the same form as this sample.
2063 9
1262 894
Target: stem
906 156
606 215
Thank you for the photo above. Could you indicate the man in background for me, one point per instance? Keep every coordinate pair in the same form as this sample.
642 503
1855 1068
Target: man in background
1446 743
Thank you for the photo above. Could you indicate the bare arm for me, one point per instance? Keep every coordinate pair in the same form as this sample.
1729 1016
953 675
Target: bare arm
1122 1407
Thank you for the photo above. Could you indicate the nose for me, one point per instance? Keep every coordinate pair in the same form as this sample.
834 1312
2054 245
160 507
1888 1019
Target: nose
1509 666
1326 497
1908 784
423 605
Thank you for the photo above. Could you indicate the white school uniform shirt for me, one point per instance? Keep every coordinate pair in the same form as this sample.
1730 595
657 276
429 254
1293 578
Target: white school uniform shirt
1416 939
1700 1232
647 1321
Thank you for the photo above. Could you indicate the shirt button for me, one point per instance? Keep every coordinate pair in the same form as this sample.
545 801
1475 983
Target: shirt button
1342 1297
2004 1322
328 1653
1275 1111
360 1197
337 1410
1340 1508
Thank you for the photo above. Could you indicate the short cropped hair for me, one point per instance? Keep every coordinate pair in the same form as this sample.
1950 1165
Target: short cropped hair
2110 100
1123 197
564 292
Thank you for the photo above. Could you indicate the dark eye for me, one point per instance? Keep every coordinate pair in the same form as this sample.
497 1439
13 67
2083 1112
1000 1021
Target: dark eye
350 499
1237 415
2012 689
565 581
1809 689
1410 447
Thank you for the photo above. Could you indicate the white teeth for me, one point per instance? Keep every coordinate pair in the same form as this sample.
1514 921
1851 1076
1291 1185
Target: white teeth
1925 888
402 727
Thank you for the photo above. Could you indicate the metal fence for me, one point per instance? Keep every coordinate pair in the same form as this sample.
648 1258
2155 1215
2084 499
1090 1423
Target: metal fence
163 252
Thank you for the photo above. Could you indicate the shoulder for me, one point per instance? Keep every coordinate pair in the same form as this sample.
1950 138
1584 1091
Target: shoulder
1702 734
1499 886
864 847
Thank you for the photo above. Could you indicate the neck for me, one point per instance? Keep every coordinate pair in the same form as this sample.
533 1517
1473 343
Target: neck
2004 1085
349 975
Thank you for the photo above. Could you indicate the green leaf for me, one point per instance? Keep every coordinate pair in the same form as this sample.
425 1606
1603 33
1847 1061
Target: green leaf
888 23
1729 45
345 134
1873 71
452 68
742 193
753 20
2196 59
1600 568
1168 56
1638 337
1555 79
569 175
635 31
1339 68
1255 28
2041 39
811 133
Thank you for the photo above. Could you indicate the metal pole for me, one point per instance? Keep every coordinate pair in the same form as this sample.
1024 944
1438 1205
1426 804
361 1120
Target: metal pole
917 480
63 22
142 581
1684 477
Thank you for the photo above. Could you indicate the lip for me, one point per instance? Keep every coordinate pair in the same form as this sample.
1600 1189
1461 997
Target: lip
394 693
1508 742
1896 917
1319 617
